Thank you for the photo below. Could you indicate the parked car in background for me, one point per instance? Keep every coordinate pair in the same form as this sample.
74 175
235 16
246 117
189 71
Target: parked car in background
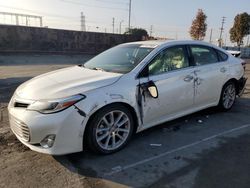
124 90
234 53
237 54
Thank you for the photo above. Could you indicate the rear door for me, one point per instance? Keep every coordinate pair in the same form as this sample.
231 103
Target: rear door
210 74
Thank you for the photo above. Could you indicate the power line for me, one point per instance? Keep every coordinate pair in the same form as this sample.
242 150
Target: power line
37 12
50 16
94 6
113 2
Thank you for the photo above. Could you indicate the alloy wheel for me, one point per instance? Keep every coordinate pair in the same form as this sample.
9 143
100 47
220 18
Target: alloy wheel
229 95
113 130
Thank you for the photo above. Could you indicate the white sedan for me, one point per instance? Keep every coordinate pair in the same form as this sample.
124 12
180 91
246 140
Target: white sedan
124 90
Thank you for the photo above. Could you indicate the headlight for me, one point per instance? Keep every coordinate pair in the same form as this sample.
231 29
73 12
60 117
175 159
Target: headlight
56 105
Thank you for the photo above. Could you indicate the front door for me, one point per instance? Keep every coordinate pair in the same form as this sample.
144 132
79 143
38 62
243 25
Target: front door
173 77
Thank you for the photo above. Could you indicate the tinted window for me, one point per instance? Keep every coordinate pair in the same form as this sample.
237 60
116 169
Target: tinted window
204 55
120 59
222 55
170 59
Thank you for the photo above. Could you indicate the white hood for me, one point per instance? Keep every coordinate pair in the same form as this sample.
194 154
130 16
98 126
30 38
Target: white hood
65 82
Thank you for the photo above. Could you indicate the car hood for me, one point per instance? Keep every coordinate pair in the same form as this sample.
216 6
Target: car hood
65 82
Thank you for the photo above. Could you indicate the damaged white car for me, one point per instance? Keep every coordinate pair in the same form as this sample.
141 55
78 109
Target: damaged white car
124 90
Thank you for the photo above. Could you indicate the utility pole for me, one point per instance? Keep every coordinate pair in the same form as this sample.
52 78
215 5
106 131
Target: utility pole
221 30
120 31
83 26
27 22
151 31
225 43
211 34
113 25
41 22
17 19
129 16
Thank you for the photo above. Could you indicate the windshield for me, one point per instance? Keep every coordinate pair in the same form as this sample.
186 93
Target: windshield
120 59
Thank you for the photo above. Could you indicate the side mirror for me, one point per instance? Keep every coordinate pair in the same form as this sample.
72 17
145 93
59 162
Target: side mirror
153 91
150 88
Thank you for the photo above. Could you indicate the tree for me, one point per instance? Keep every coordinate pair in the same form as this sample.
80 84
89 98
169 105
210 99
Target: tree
240 28
199 26
138 33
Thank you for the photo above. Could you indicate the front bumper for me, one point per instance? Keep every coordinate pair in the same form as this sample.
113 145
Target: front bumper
68 126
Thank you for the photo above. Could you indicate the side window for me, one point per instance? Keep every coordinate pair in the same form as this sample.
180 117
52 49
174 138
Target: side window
170 59
204 55
222 55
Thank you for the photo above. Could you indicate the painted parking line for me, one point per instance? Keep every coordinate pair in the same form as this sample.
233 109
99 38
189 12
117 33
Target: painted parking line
118 169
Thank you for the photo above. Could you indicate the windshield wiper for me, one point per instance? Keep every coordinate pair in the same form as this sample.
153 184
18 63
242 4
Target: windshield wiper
92 68
99 69
81 65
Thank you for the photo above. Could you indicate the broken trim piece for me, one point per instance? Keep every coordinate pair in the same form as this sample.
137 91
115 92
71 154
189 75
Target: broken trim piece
82 113
142 91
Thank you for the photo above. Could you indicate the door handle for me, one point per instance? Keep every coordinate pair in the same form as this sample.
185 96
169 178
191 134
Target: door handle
223 70
188 78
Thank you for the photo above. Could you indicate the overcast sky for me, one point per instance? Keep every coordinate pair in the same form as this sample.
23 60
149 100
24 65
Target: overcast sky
170 19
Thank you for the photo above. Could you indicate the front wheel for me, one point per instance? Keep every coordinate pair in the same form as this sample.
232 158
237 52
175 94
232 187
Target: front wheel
228 96
110 129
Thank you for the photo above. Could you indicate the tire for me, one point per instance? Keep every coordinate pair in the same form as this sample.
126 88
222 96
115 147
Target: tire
110 129
228 96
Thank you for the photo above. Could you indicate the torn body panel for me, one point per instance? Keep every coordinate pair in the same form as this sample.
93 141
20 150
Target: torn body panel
145 91
109 95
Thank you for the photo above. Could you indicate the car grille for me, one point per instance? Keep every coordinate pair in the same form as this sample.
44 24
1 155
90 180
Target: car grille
20 129
21 105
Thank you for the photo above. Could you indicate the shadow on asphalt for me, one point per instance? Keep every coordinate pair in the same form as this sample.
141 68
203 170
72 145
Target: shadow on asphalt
211 164
42 59
224 166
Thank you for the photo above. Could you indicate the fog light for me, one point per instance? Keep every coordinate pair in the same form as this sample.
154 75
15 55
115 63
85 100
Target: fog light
48 141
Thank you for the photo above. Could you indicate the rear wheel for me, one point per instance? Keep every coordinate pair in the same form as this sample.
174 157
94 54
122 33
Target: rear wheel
110 129
228 96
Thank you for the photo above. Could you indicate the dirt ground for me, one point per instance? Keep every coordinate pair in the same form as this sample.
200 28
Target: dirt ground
21 167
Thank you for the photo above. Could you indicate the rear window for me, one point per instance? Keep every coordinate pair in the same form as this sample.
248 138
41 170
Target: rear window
222 55
203 55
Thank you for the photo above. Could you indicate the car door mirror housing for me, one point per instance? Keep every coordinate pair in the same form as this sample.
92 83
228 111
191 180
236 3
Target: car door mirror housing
150 88
153 91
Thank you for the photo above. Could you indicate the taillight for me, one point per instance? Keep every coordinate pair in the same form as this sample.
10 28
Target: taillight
243 63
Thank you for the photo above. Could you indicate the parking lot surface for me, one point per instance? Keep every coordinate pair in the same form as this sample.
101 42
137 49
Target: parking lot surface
205 149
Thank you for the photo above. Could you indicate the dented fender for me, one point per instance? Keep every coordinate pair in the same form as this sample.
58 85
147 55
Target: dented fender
86 108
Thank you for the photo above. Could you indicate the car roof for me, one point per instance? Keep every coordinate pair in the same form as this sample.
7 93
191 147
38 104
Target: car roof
157 43
148 42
